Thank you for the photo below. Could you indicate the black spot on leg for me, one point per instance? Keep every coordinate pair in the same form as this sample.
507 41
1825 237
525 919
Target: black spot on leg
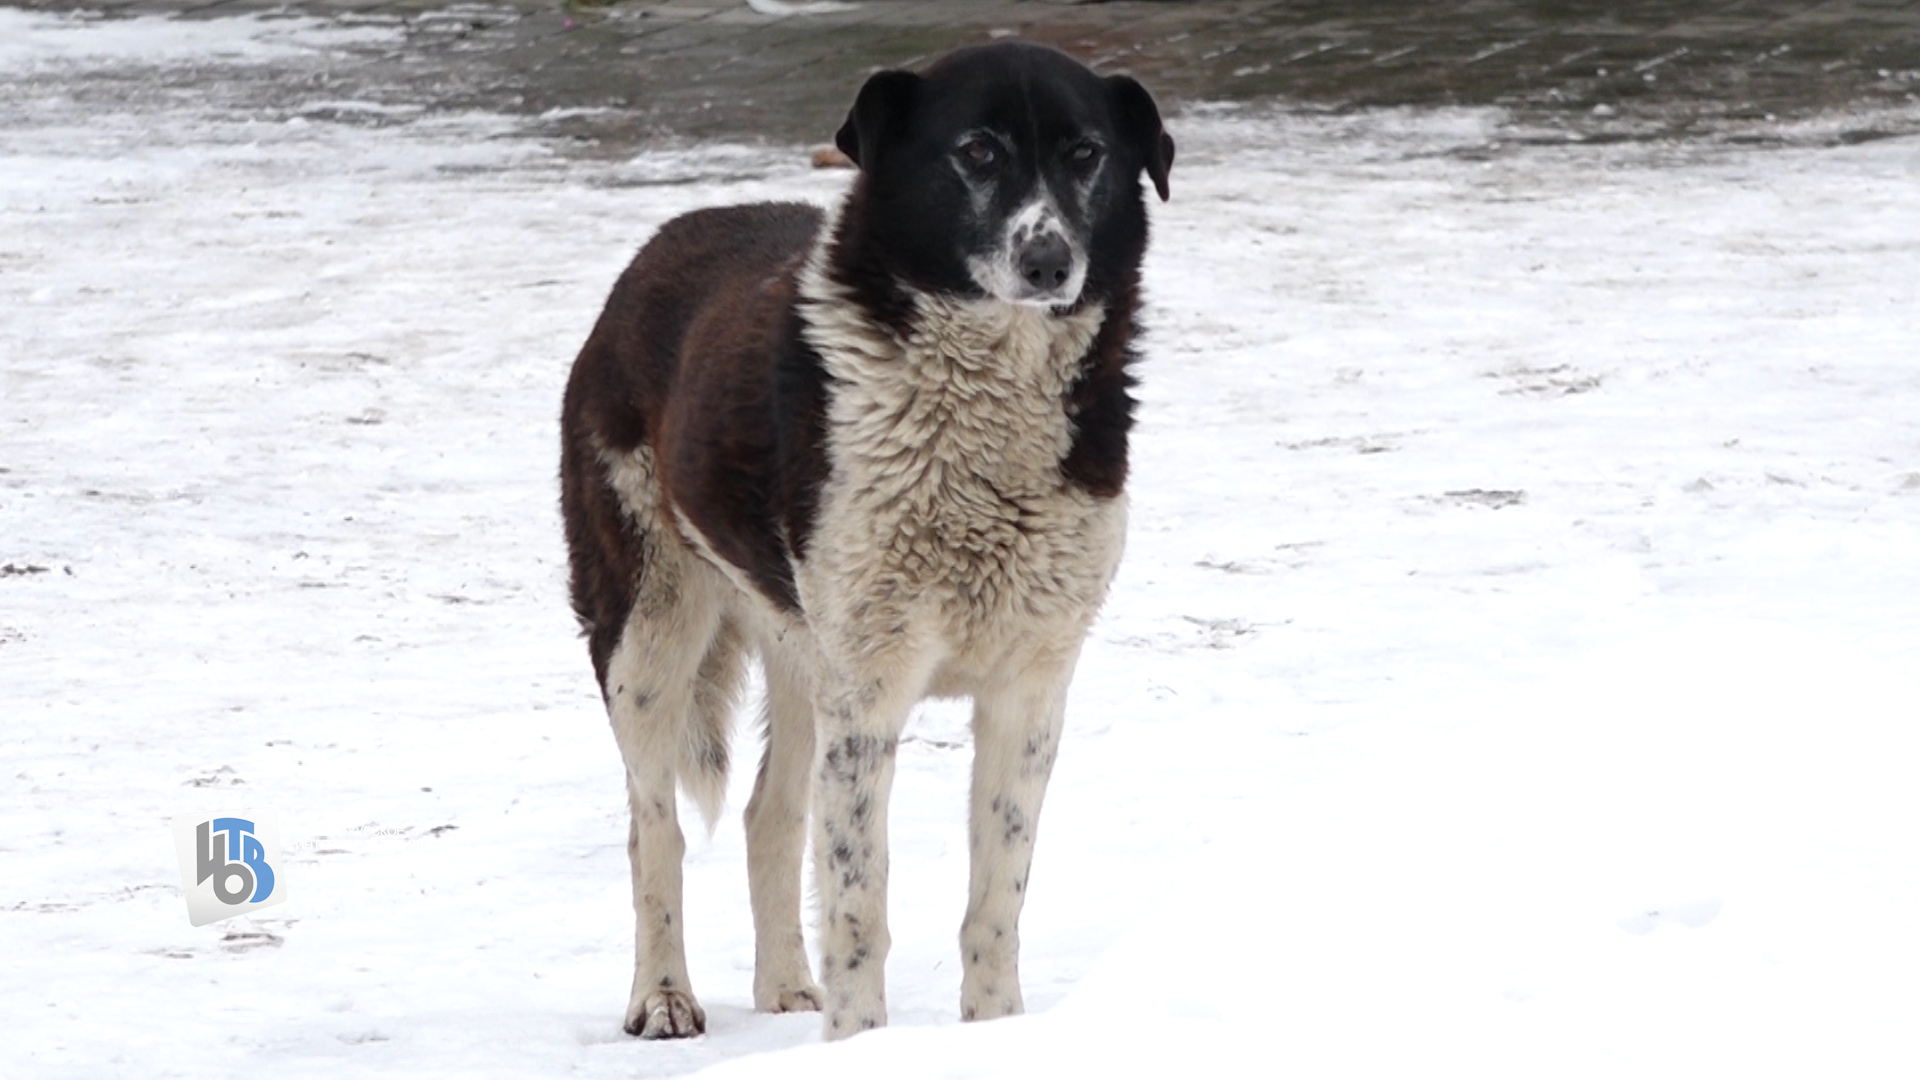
1015 821
1038 756
861 808
666 982
642 698
846 759
842 853
974 957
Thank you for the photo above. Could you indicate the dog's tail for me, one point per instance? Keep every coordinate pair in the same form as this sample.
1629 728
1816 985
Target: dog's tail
706 737
703 770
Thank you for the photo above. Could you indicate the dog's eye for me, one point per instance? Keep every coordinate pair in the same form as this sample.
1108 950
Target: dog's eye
1084 154
979 152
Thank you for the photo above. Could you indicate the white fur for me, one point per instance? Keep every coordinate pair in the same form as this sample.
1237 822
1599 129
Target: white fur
693 617
950 556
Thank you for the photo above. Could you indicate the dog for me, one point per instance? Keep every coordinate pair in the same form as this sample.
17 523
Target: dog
882 449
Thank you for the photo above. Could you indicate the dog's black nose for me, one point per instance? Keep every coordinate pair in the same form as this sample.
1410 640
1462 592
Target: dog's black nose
1045 261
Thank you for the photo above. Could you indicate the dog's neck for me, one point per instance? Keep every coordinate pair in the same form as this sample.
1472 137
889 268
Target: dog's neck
944 338
1017 344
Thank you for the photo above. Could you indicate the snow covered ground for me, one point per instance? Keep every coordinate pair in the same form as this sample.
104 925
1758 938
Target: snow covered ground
1511 672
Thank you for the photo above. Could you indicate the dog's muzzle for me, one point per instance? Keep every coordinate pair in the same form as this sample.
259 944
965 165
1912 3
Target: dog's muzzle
1035 263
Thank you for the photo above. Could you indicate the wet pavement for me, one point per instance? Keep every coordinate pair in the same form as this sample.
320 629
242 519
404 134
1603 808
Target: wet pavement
606 78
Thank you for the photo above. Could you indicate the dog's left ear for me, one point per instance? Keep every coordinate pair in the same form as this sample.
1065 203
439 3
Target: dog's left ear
1140 123
879 113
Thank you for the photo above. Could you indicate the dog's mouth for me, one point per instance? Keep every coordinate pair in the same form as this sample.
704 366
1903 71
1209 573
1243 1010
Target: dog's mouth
1053 300
1055 290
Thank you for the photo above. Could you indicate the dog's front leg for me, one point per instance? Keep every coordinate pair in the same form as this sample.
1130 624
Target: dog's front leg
1016 731
860 725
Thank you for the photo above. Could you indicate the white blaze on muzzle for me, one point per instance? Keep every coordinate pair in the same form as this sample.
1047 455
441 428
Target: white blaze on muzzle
1036 261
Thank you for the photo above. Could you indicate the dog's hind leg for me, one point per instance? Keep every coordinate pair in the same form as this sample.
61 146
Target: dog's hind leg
1016 732
651 689
668 679
776 839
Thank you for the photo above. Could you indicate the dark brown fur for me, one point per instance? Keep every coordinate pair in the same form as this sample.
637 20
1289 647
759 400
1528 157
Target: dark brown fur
1101 402
695 355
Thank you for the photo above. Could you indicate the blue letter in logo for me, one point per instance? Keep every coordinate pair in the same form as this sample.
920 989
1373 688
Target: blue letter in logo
246 859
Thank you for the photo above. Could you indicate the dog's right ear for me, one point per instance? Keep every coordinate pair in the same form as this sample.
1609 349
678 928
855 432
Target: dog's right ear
878 114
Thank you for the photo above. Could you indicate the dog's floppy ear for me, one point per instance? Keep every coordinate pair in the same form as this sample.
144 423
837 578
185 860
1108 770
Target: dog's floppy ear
877 115
1139 120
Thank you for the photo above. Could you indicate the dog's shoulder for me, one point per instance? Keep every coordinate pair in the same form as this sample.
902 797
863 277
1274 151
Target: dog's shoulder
719 260
720 241
713 272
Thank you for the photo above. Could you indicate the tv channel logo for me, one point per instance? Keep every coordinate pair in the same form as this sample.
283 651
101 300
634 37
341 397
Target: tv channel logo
229 865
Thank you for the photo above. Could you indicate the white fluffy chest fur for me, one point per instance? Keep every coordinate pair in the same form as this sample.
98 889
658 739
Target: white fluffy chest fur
945 516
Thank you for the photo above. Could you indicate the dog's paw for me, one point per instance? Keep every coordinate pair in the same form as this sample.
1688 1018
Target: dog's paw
837 1025
785 999
666 1014
986 1002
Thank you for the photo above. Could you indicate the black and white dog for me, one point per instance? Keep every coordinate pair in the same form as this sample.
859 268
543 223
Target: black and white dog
883 450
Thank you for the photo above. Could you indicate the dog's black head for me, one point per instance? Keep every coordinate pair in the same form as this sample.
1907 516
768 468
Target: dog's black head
1007 171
